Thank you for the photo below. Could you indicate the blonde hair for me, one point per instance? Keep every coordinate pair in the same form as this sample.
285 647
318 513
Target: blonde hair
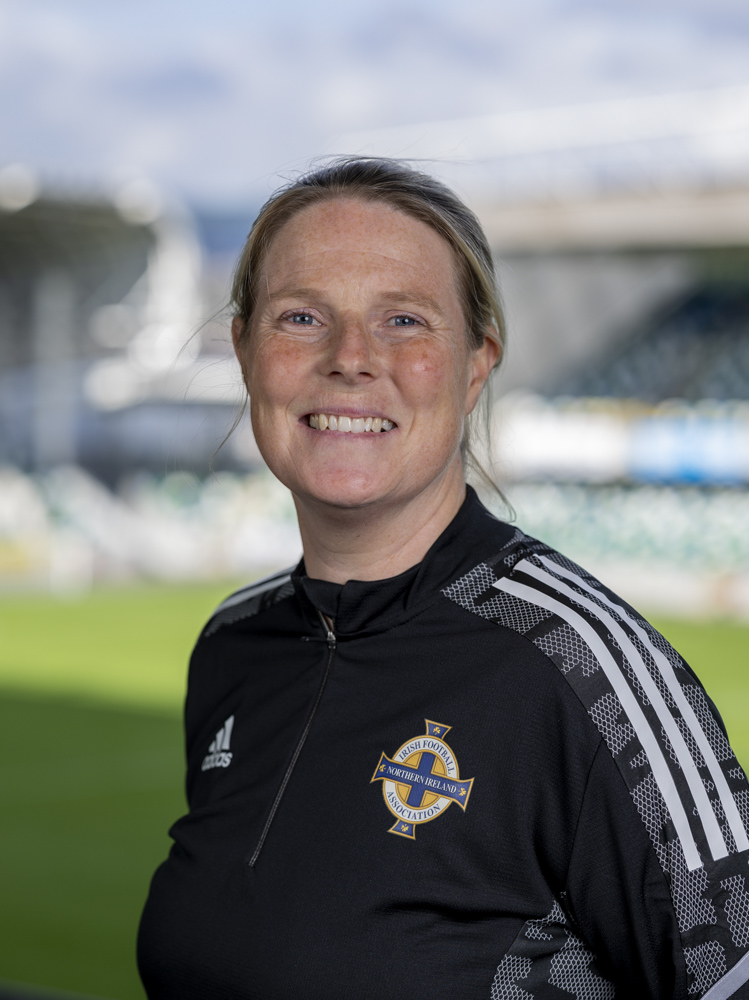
414 193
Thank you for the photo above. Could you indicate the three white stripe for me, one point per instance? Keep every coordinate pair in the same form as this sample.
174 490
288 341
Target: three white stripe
727 800
736 977
629 703
713 833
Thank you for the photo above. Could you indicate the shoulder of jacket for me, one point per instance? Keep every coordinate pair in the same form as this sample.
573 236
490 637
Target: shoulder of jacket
527 582
248 601
660 729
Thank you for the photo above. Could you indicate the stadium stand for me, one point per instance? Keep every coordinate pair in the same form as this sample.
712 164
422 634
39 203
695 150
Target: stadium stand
697 350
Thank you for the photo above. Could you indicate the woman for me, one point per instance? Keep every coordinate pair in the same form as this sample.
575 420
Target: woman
436 759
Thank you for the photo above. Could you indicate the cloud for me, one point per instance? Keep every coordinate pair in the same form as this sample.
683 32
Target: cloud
213 100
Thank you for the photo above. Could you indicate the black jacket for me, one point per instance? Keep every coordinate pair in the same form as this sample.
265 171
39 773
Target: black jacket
494 780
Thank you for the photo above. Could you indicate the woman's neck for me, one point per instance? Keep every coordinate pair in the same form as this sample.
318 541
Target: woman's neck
380 540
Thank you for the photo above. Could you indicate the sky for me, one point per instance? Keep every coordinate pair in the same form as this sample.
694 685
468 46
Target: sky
218 101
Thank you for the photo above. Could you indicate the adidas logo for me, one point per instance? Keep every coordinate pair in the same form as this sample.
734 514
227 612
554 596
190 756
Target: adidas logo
219 754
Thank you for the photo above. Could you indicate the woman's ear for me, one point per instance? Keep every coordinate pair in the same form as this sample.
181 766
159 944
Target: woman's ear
483 360
237 329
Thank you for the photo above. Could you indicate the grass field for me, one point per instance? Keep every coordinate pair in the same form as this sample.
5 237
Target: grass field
91 767
90 775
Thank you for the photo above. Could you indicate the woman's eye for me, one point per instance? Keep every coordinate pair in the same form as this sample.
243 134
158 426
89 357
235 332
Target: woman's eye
404 321
302 319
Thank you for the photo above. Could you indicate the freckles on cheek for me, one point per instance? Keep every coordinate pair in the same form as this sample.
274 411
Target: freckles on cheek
277 369
430 376
424 364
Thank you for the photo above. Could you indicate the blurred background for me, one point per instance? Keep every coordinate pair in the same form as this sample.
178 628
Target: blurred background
605 146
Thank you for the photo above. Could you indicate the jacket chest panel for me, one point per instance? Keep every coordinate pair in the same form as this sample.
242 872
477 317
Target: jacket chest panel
447 812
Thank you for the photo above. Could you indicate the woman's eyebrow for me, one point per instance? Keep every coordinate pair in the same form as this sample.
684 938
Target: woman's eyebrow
400 298
395 298
293 292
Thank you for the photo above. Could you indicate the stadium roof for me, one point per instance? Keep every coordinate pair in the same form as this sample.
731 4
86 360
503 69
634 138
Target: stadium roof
676 219
639 145
662 170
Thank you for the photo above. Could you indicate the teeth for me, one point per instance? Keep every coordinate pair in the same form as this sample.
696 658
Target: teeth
349 425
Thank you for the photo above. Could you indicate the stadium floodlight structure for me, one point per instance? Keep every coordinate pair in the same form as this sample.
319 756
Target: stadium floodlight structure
160 359
100 303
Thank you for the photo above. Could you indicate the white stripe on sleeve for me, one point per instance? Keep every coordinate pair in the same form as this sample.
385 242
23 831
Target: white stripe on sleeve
629 704
727 800
707 817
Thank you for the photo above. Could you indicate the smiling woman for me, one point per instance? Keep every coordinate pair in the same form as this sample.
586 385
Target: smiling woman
359 319
372 289
599 846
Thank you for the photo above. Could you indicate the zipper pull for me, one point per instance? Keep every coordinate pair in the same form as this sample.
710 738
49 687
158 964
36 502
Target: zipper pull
328 625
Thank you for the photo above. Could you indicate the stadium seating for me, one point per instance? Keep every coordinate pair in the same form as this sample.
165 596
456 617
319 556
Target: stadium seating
697 350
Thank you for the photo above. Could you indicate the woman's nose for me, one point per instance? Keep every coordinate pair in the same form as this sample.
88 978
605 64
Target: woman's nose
352 353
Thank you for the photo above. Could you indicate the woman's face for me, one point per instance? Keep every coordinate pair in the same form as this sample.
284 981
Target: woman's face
359 319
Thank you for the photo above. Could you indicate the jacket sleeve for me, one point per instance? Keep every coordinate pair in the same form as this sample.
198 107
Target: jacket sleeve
657 903
618 896
659 927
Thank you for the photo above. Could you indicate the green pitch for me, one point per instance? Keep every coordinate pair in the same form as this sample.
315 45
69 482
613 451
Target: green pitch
126 645
90 775
91 767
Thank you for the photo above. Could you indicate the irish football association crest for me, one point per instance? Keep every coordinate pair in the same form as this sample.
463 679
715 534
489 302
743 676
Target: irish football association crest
421 780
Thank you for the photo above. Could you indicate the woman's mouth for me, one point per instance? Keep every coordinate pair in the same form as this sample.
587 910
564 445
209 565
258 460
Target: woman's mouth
349 425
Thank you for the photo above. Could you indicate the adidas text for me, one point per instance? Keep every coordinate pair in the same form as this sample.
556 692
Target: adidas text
220 759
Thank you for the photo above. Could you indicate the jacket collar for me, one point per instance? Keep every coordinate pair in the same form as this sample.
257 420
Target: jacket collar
368 606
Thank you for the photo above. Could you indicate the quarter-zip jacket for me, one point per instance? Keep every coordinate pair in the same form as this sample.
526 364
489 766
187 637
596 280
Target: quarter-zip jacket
490 779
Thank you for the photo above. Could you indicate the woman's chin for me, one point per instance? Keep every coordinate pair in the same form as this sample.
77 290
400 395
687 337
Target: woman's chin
349 491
